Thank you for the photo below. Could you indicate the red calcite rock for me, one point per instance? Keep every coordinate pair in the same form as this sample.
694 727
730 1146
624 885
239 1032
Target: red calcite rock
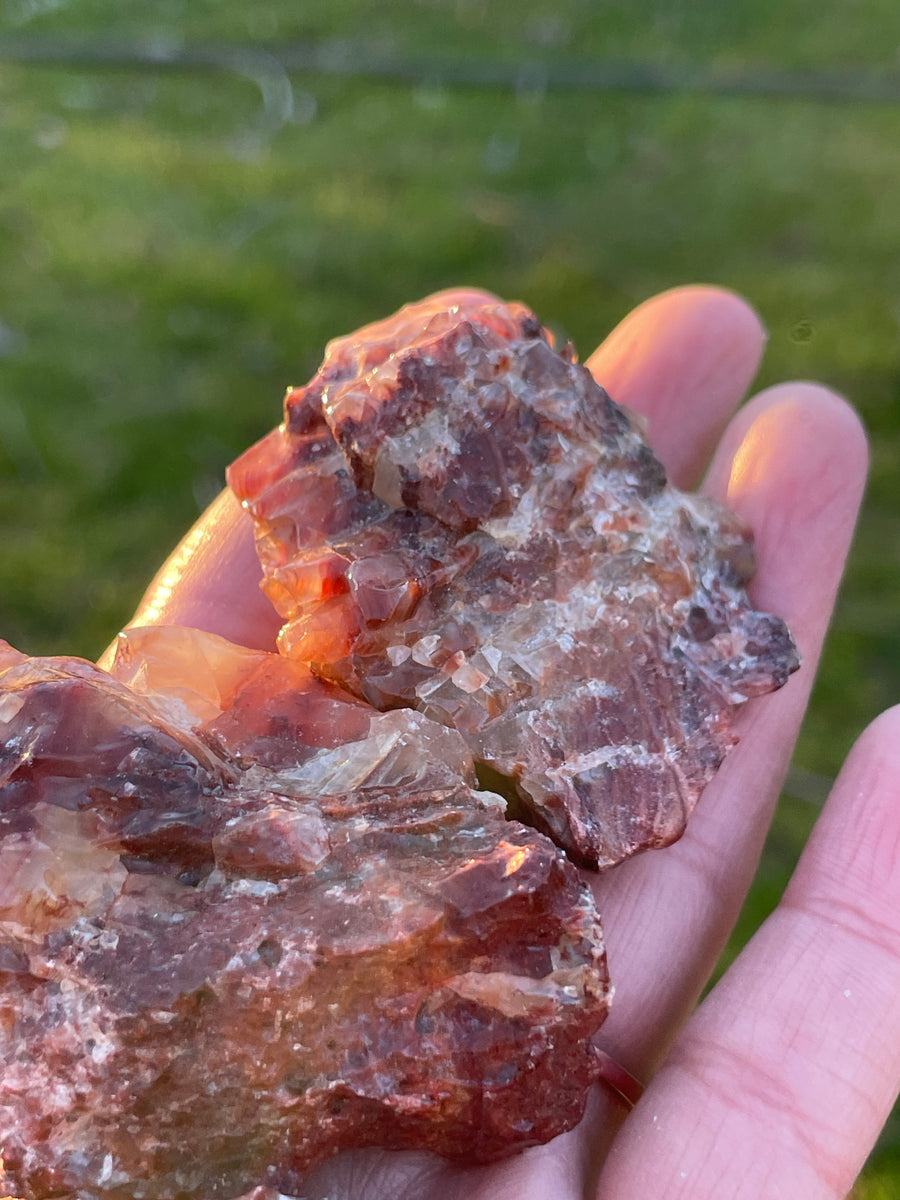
254 908
455 518
247 920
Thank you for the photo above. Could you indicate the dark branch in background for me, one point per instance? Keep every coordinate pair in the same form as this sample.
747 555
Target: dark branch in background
357 60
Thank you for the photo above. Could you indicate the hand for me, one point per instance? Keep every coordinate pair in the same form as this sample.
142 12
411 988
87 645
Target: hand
779 1082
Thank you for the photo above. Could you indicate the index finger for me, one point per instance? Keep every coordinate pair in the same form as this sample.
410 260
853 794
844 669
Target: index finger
210 581
683 360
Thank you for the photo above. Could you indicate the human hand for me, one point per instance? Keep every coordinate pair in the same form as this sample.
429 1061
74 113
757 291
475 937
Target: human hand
779 1082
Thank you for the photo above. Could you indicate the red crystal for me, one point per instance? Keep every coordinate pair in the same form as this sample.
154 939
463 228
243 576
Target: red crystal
238 934
456 518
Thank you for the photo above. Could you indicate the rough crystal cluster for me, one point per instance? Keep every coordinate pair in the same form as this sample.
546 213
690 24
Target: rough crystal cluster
246 921
456 518
256 908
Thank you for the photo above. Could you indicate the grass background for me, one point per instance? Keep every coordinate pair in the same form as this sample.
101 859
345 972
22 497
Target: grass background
178 243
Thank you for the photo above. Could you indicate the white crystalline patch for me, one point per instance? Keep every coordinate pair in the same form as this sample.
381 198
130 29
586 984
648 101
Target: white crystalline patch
423 449
468 678
490 799
346 768
57 873
519 996
404 748
258 888
493 656
600 689
523 522
609 756
10 706
424 649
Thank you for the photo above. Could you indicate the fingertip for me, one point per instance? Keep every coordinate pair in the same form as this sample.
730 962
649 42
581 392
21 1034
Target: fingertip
855 844
684 360
211 582
811 417
722 309
794 466
882 734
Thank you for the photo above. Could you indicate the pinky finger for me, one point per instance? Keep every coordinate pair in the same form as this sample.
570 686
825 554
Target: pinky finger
782 1080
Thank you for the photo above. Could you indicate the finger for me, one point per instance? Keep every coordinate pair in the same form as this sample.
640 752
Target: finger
549 1170
668 915
684 360
211 582
798 1048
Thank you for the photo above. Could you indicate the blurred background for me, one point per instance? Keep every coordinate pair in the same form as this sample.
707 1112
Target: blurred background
195 196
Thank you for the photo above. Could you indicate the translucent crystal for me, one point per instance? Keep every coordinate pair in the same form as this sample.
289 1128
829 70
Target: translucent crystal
454 517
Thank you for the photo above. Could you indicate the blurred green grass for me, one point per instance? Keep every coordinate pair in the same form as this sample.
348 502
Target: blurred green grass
177 246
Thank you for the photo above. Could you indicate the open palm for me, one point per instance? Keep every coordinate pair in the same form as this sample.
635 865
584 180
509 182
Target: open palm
777 1084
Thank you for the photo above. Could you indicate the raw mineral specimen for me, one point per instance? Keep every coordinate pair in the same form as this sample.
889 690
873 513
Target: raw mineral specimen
254 907
247 920
455 518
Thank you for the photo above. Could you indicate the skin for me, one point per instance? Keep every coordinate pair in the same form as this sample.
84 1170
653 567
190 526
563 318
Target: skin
779 1082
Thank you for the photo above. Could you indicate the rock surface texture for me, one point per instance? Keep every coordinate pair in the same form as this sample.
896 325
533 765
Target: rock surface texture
246 921
456 518
256 908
